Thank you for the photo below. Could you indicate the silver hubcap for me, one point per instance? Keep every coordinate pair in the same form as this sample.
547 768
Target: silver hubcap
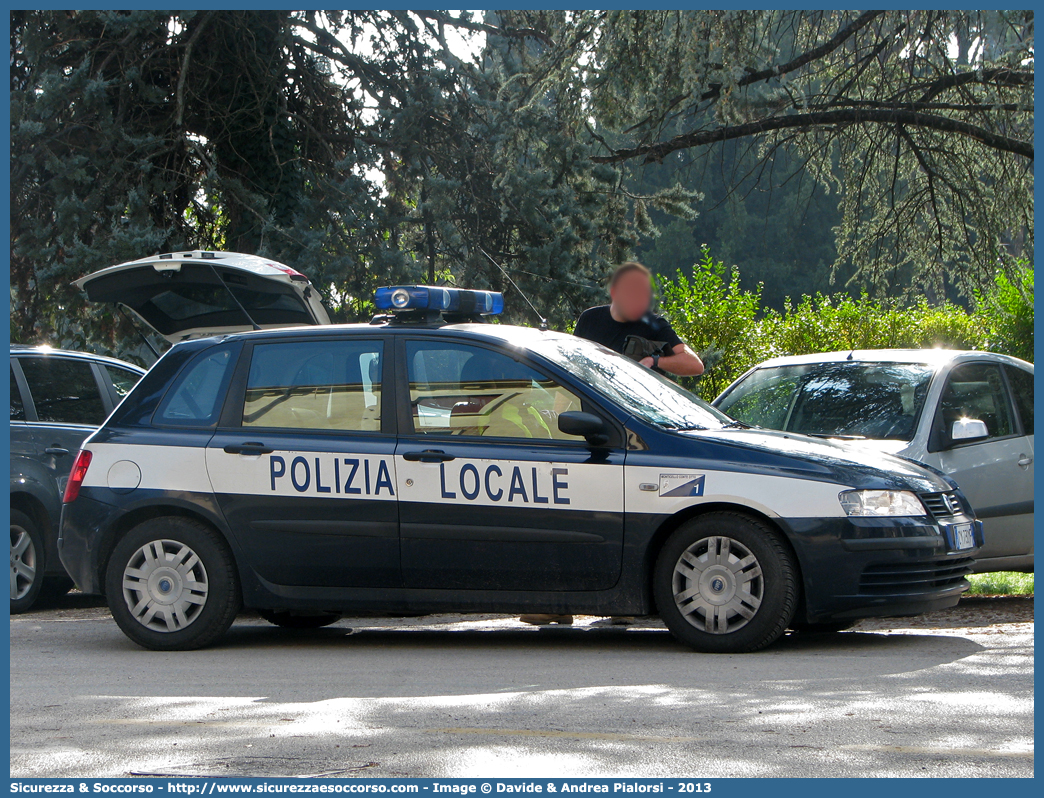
23 562
718 585
165 585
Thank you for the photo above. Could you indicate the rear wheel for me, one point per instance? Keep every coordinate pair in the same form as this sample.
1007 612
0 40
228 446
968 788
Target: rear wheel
726 583
27 562
291 620
171 584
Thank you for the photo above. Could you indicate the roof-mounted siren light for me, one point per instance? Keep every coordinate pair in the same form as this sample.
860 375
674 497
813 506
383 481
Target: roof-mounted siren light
429 300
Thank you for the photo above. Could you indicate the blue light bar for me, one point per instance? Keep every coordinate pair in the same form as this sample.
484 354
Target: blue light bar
448 300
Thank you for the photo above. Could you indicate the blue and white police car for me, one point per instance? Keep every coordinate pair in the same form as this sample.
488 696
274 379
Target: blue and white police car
429 462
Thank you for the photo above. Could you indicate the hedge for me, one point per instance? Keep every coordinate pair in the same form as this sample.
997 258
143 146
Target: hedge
732 331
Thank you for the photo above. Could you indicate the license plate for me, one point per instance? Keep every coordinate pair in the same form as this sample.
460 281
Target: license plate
962 537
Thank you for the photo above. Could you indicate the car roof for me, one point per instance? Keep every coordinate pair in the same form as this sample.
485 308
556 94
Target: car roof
932 357
507 333
43 350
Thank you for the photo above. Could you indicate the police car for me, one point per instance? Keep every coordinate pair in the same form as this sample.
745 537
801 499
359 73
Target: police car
430 462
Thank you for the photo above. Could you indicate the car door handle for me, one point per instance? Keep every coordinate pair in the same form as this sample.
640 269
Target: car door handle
249 447
57 451
429 456
1025 460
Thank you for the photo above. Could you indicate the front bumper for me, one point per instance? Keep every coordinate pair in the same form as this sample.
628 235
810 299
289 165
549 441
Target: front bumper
864 567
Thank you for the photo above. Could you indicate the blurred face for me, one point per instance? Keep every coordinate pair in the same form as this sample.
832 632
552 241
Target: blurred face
631 296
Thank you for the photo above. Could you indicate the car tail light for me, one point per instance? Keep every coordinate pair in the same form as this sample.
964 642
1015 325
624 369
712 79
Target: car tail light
294 274
79 471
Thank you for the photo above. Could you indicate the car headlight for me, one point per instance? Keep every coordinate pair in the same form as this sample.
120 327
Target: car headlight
881 503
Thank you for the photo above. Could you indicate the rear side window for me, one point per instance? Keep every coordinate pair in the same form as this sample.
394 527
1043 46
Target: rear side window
122 380
1022 390
195 398
318 385
64 390
17 410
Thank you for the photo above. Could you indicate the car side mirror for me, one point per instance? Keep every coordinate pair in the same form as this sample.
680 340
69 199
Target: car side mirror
588 425
968 429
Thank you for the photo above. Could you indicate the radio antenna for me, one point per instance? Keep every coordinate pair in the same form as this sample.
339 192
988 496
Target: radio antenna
543 321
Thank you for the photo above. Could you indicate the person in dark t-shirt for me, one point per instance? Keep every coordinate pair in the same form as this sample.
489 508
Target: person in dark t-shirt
630 289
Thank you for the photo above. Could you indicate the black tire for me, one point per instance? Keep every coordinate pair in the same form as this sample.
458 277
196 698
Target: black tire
290 620
183 589
740 620
825 628
28 561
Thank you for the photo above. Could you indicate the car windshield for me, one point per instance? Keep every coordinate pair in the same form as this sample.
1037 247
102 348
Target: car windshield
880 401
640 391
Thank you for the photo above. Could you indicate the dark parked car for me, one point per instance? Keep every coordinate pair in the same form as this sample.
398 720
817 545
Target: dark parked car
58 398
422 464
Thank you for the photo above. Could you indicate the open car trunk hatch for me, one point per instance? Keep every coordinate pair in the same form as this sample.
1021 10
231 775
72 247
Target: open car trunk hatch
185 295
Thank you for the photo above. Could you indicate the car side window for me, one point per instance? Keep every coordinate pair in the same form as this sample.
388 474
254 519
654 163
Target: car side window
17 410
122 380
194 400
317 385
1022 390
64 390
977 391
459 389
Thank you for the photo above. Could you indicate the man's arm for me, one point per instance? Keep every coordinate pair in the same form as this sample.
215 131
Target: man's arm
684 362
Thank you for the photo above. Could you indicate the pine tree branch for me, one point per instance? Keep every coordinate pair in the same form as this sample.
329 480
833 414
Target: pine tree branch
835 41
850 116
480 27
1001 77
333 48
179 94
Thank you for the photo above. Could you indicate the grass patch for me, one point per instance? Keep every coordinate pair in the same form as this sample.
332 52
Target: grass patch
1003 583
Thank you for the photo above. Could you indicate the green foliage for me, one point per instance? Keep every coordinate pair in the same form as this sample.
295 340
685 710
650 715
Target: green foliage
1007 312
141 132
918 124
733 332
1004 583
824 323
360 148
355 146
715 316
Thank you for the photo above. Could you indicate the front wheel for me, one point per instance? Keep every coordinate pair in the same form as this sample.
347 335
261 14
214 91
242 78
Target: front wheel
27 562
171 584
726 583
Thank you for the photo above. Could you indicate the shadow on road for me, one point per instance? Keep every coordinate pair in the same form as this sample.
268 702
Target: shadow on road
69 601
895 652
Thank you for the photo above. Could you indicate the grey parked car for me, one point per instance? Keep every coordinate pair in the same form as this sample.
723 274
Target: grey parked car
967 414
58 398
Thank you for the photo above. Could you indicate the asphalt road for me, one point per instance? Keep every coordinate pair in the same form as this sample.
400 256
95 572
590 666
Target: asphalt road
950 694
